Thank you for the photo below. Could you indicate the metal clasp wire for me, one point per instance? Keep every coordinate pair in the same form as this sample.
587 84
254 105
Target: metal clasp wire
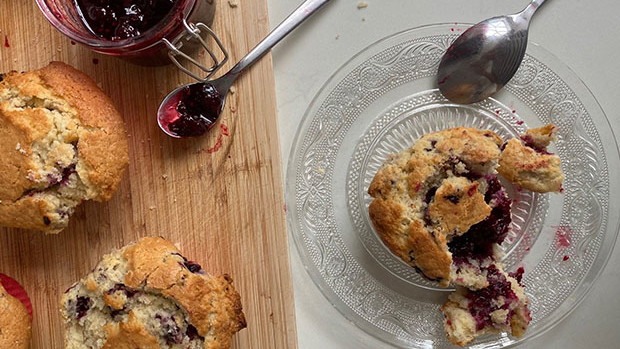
193 32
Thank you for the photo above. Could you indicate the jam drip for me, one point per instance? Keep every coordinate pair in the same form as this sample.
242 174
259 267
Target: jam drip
122 19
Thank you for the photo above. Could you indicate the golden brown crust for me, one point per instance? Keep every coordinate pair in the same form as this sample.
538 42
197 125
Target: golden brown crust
458 205
15 324
430 253
530 169
400 189
45 115
103 143
212 303
129 335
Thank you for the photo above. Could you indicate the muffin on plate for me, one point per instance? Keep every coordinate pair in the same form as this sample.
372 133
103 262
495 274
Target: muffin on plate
443 189
442 209
63 142
15 315
147 295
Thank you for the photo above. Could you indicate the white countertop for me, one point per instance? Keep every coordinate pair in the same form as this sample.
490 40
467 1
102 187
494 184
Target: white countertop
583 34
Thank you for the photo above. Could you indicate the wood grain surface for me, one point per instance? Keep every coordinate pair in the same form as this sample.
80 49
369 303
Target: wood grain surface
224 206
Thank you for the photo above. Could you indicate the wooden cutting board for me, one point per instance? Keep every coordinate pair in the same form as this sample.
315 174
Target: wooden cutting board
219 197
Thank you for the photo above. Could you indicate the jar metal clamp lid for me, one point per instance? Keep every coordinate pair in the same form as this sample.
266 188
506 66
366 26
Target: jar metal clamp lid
194 31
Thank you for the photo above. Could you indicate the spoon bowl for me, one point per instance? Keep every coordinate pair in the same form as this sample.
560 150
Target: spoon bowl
192 110
485 57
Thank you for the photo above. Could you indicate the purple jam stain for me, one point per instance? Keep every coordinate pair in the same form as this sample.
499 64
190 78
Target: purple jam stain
82 306
224 130
196 111
117 20
563 236
481 301
217 146
95 60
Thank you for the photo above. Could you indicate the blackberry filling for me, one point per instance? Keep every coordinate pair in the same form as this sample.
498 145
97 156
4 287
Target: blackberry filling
485 301
193 267
518 275
82 306
192 333
480 239
172 333
63 178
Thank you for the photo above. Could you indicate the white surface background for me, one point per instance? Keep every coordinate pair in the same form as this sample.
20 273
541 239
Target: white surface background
585 35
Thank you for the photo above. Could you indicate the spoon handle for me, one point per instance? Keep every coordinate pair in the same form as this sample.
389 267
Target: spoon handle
531 8
291 22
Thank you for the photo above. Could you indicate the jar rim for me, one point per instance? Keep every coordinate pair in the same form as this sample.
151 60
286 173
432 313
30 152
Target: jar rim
164 28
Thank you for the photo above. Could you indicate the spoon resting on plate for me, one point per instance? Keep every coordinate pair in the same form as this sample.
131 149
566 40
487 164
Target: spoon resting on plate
485 57
191 110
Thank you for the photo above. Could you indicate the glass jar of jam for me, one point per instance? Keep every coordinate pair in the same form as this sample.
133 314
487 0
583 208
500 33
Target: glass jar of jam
146 32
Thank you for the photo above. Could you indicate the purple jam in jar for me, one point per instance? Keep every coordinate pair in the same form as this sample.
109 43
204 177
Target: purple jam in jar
117 20
131 29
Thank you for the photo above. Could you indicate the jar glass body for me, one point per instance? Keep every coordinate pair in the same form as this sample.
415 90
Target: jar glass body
146 49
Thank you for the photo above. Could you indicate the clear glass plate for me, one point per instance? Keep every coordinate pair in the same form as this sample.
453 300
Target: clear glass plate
379 103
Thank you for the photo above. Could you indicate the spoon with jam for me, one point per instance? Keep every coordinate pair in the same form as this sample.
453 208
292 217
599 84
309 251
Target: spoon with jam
191 110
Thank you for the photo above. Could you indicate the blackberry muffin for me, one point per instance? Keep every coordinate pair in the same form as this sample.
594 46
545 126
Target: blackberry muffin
147 295
434 193
62 141
442 209
15 320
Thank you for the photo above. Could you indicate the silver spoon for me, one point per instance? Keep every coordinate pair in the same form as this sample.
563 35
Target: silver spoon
485 57
191 110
